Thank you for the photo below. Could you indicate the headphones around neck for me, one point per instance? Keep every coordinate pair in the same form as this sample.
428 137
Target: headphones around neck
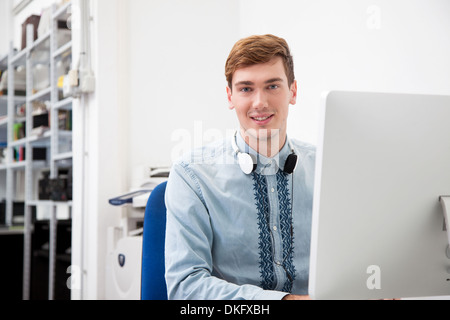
248 162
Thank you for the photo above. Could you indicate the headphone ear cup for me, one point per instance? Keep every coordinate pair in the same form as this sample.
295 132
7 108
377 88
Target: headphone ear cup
247 162
291 164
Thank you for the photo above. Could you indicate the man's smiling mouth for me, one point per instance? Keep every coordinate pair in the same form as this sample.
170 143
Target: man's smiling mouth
262 118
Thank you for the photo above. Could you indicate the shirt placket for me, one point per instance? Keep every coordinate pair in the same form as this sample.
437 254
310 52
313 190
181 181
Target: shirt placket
275 229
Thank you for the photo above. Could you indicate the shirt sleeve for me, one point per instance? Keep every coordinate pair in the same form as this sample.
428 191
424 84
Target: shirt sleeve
189 240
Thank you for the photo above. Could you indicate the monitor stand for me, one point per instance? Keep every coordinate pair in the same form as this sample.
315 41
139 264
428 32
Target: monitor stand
445 202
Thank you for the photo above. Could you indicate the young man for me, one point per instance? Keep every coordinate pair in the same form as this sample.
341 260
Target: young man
239 210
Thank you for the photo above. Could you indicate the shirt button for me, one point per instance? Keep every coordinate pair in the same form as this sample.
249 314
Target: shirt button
275 228
273 190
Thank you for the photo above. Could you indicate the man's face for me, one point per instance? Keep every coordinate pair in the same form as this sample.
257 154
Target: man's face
261 96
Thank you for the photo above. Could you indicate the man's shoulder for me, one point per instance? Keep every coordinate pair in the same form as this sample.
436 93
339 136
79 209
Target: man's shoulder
215 152
304 147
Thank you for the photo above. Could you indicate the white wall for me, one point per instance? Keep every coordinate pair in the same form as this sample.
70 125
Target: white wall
99 159
373 45
5 28
177 53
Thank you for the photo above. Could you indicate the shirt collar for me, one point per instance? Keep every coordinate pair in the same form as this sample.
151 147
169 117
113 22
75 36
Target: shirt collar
266 166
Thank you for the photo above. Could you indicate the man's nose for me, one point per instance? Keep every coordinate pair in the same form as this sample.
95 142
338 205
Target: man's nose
260 100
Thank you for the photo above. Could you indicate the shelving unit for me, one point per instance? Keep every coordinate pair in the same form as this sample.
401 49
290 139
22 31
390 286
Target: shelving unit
20 174
3 130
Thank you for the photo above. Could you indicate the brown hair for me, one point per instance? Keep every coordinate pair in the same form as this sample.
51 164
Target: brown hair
259 49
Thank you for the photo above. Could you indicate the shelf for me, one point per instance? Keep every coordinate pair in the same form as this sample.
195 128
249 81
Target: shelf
36 203
65 133
18 143
40 141
19 119
65 104
16 99
63 49
43 94
63 209
4 62
39 164
34 140
63 203
44 253
40 41
63 156
61 11
3 101
49 203
11 231
17 165
20 58
43 50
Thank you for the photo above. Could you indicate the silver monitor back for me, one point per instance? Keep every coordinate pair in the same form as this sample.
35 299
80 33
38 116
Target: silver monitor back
383 161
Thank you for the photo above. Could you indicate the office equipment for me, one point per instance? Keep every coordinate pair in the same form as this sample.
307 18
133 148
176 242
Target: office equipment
383 162
125 243
138 196
127 198
123 269
44 191
153 283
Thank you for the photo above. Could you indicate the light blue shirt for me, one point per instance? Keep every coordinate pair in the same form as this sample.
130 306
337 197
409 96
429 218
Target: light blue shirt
232 236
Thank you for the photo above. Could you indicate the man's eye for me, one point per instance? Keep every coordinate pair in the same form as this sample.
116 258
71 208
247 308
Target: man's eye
273 87
246 90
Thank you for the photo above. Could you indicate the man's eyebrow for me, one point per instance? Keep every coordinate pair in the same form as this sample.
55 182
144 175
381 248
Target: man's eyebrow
244 83
274 80
250 83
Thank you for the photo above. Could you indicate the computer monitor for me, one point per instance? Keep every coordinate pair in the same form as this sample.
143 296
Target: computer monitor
383 161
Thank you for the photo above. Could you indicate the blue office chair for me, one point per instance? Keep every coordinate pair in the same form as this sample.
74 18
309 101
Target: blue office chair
153 283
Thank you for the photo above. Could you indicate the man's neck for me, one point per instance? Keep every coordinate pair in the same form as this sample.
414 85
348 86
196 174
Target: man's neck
267 145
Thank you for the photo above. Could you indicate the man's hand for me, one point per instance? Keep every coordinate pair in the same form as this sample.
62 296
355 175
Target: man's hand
295 297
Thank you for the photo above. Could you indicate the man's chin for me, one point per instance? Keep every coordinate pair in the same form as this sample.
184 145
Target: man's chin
262 134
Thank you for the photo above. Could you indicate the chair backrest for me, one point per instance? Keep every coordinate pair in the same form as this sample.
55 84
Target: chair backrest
153 283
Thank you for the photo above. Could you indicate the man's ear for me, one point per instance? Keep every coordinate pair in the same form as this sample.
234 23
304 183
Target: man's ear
293 93
229 95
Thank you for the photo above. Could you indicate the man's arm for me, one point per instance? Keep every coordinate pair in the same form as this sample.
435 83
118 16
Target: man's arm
189 240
